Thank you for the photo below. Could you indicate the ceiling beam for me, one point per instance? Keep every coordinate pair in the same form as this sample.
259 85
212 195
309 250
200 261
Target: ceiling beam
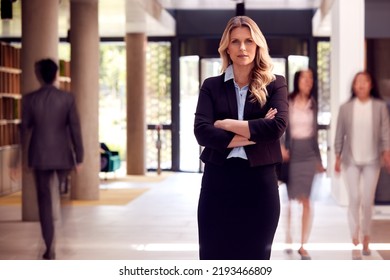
322 19
149 17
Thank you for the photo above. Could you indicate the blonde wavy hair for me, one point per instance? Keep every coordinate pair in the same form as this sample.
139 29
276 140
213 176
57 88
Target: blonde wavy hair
261 75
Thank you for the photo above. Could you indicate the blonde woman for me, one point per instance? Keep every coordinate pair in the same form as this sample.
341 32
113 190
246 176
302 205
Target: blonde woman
239 120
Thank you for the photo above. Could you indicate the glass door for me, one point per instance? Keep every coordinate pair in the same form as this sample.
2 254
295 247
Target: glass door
193 71
189 90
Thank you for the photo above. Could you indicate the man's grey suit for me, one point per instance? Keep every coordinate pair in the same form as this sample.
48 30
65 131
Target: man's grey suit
55 145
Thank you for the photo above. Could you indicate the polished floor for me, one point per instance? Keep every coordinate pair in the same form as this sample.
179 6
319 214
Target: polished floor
161 224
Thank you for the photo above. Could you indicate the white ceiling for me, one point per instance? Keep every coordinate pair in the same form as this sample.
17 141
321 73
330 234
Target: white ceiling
112 18
231 4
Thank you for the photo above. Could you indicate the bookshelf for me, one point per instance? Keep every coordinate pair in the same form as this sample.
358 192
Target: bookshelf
10 115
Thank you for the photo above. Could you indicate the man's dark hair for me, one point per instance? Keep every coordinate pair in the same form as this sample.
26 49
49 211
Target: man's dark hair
46 70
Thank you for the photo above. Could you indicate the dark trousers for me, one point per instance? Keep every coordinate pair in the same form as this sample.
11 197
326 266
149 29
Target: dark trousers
45 205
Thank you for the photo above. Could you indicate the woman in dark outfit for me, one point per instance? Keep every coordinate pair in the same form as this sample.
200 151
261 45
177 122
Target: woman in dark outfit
239 119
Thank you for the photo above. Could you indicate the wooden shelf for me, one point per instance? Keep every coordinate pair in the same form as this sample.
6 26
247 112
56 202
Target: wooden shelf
64 78
4 122
9 133
10 107
10 114
10 70
11 95
9 56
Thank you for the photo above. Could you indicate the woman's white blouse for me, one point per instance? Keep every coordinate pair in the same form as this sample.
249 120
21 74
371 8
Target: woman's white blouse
362 142
301 121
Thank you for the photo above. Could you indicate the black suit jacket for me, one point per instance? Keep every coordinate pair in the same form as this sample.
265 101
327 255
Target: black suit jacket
52 117
217 101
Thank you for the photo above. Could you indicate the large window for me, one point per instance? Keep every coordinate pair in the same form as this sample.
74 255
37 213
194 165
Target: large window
323 81
158 104
112 97
112 100
323 77
189 90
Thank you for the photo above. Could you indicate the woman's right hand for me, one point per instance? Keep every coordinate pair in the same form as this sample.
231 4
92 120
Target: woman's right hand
386 160
285 153
337 165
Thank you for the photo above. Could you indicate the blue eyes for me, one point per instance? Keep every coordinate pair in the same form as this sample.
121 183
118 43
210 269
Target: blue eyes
238 42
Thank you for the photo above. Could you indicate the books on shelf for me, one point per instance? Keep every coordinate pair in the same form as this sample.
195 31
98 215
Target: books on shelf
64 68
10 92
9 81
9 133
10 107
10 114
9 56
10 98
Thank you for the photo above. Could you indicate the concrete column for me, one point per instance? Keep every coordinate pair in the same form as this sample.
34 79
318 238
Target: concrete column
347 58
143 18
84 39
136 123
39 40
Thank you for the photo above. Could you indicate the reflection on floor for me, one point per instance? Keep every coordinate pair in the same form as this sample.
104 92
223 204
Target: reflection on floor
161 224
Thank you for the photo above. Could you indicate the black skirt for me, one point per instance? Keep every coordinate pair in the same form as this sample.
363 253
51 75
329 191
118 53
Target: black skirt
238 211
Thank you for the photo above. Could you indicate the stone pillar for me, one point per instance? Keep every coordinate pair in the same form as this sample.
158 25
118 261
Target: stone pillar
347 58
84 66
159 23
39 40
136 123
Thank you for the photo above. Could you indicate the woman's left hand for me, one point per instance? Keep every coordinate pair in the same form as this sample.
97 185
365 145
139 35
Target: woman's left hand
320 168
386 160
271 113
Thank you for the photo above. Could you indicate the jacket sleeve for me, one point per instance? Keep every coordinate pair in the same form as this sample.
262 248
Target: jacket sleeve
385 128
269 130
75 132
340 132
205 115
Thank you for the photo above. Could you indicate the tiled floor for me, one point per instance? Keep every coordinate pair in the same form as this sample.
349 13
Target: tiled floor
161 224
